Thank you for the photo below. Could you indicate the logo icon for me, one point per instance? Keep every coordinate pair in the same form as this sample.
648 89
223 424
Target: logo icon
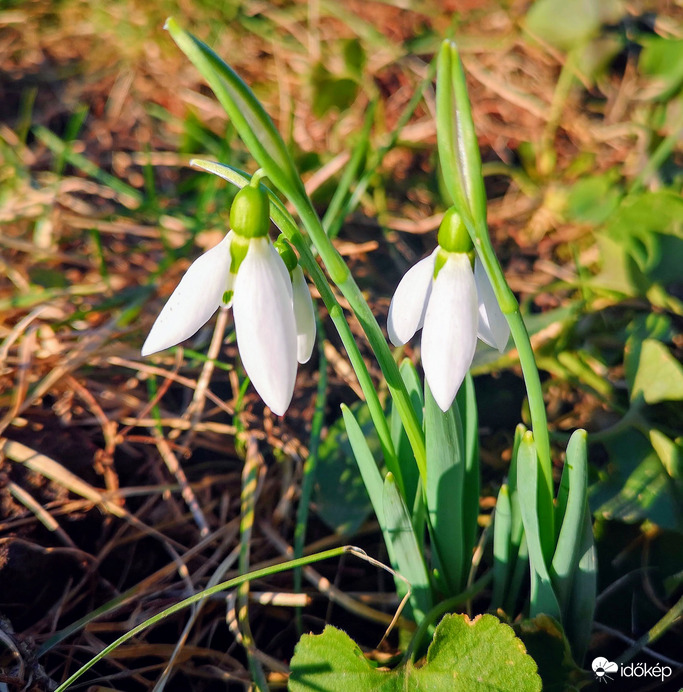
601 666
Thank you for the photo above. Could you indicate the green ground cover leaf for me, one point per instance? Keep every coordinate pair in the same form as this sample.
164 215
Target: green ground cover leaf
465 656
339 495
638 485
652 372
662 60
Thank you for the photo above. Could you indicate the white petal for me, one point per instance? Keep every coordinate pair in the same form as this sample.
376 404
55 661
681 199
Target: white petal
494 329
449 335
304 316
264 324
195 299
407 309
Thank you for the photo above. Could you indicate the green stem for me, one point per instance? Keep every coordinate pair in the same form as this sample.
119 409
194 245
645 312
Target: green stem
341 276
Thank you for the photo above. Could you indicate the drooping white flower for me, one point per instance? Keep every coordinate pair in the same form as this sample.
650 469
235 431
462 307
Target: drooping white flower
274 325
452 308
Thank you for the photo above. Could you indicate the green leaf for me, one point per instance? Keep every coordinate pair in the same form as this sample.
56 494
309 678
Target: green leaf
446 490
340 496
469 415
406 548
567 549
642 243
547 645
330 91
564 23
534 517
567 23
406 458
594 199
479 655
579 616
652 373
503 561
638 485
662 60
245 111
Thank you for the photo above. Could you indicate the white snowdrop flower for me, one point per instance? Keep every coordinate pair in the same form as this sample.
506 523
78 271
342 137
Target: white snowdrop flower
274 326
453 305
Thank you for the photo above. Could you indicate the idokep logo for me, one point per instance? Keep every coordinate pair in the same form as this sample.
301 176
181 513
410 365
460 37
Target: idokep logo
605 670
601 667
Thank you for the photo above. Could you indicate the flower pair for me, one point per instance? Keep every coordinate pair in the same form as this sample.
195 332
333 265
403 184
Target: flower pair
271 303
453 305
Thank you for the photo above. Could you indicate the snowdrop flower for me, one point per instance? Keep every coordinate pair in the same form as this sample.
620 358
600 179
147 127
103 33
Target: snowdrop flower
272 307
453 305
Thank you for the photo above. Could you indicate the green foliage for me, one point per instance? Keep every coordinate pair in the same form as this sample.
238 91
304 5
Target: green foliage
465 656
339 495
662 61
548 646
638 486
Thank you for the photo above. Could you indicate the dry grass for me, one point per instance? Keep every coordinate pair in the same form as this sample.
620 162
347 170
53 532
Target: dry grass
120 478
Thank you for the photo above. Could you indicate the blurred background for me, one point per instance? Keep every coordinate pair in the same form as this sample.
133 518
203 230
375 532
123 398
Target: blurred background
120 478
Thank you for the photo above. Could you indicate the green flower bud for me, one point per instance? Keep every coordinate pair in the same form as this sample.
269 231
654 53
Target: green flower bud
286 253
453 235
250 212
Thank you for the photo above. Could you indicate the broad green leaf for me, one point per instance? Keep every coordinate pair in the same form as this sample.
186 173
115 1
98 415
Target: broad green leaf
594 199
642 243
653 374
445 491
407 552
662 60
547 645
330 91
340 496
638 485
569 542
480 655
564 23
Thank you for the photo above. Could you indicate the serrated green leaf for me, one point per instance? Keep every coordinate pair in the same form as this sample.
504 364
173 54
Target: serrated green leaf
480 655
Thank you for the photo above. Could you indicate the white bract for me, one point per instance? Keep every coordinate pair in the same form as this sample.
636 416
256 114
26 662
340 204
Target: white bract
452 309
274 322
